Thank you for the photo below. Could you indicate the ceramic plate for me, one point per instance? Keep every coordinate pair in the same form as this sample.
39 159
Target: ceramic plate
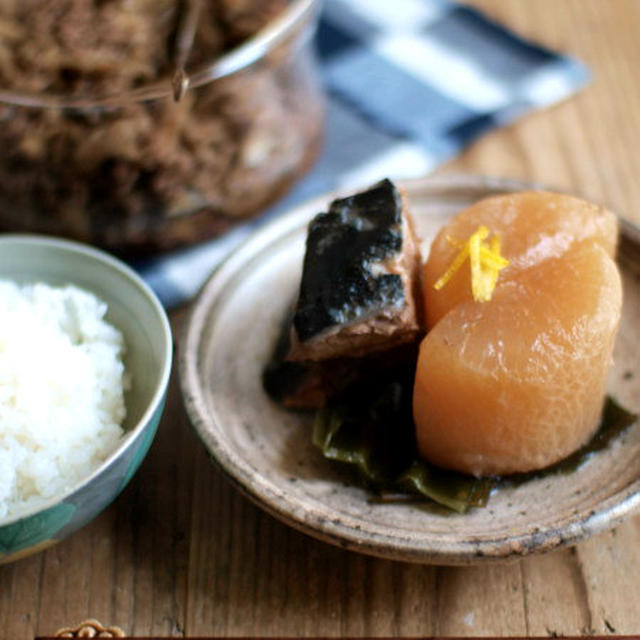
266 450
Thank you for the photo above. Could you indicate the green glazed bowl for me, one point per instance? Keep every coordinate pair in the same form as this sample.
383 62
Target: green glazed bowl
137 313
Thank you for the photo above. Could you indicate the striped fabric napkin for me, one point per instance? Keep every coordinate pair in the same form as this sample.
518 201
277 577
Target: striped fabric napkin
410 84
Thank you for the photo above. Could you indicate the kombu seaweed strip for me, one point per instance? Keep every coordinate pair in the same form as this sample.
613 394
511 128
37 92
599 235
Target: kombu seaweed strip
372 431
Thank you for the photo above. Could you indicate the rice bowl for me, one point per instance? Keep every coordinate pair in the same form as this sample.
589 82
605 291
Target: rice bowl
137 314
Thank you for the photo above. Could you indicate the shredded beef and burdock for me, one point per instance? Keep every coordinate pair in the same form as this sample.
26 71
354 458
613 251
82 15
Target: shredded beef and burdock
358 309
146 175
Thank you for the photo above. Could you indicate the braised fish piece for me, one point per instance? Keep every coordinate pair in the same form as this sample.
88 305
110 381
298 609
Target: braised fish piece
359 291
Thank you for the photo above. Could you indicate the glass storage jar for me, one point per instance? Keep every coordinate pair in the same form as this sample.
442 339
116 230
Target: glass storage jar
140 172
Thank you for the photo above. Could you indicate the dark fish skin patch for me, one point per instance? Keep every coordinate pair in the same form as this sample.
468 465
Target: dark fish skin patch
338 286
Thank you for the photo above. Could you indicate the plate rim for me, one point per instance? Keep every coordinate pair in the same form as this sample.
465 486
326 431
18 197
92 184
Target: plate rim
577 527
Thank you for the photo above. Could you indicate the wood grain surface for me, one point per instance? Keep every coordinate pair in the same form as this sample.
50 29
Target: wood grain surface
181 553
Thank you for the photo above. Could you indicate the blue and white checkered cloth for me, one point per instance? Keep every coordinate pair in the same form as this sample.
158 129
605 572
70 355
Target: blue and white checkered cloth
410 84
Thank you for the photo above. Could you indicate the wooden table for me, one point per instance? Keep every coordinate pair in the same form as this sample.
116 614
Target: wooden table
183 553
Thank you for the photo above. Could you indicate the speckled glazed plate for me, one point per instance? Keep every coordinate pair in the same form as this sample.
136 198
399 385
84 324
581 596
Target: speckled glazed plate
266 450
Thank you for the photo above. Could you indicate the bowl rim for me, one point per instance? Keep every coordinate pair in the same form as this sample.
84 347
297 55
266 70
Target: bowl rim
299 13
109 262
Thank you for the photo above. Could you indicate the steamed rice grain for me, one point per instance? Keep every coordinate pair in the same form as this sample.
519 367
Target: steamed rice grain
62 383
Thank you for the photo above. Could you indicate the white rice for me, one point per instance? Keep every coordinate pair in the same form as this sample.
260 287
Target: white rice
61 391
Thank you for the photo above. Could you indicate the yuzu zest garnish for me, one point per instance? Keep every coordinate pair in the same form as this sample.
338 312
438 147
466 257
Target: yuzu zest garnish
485 260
